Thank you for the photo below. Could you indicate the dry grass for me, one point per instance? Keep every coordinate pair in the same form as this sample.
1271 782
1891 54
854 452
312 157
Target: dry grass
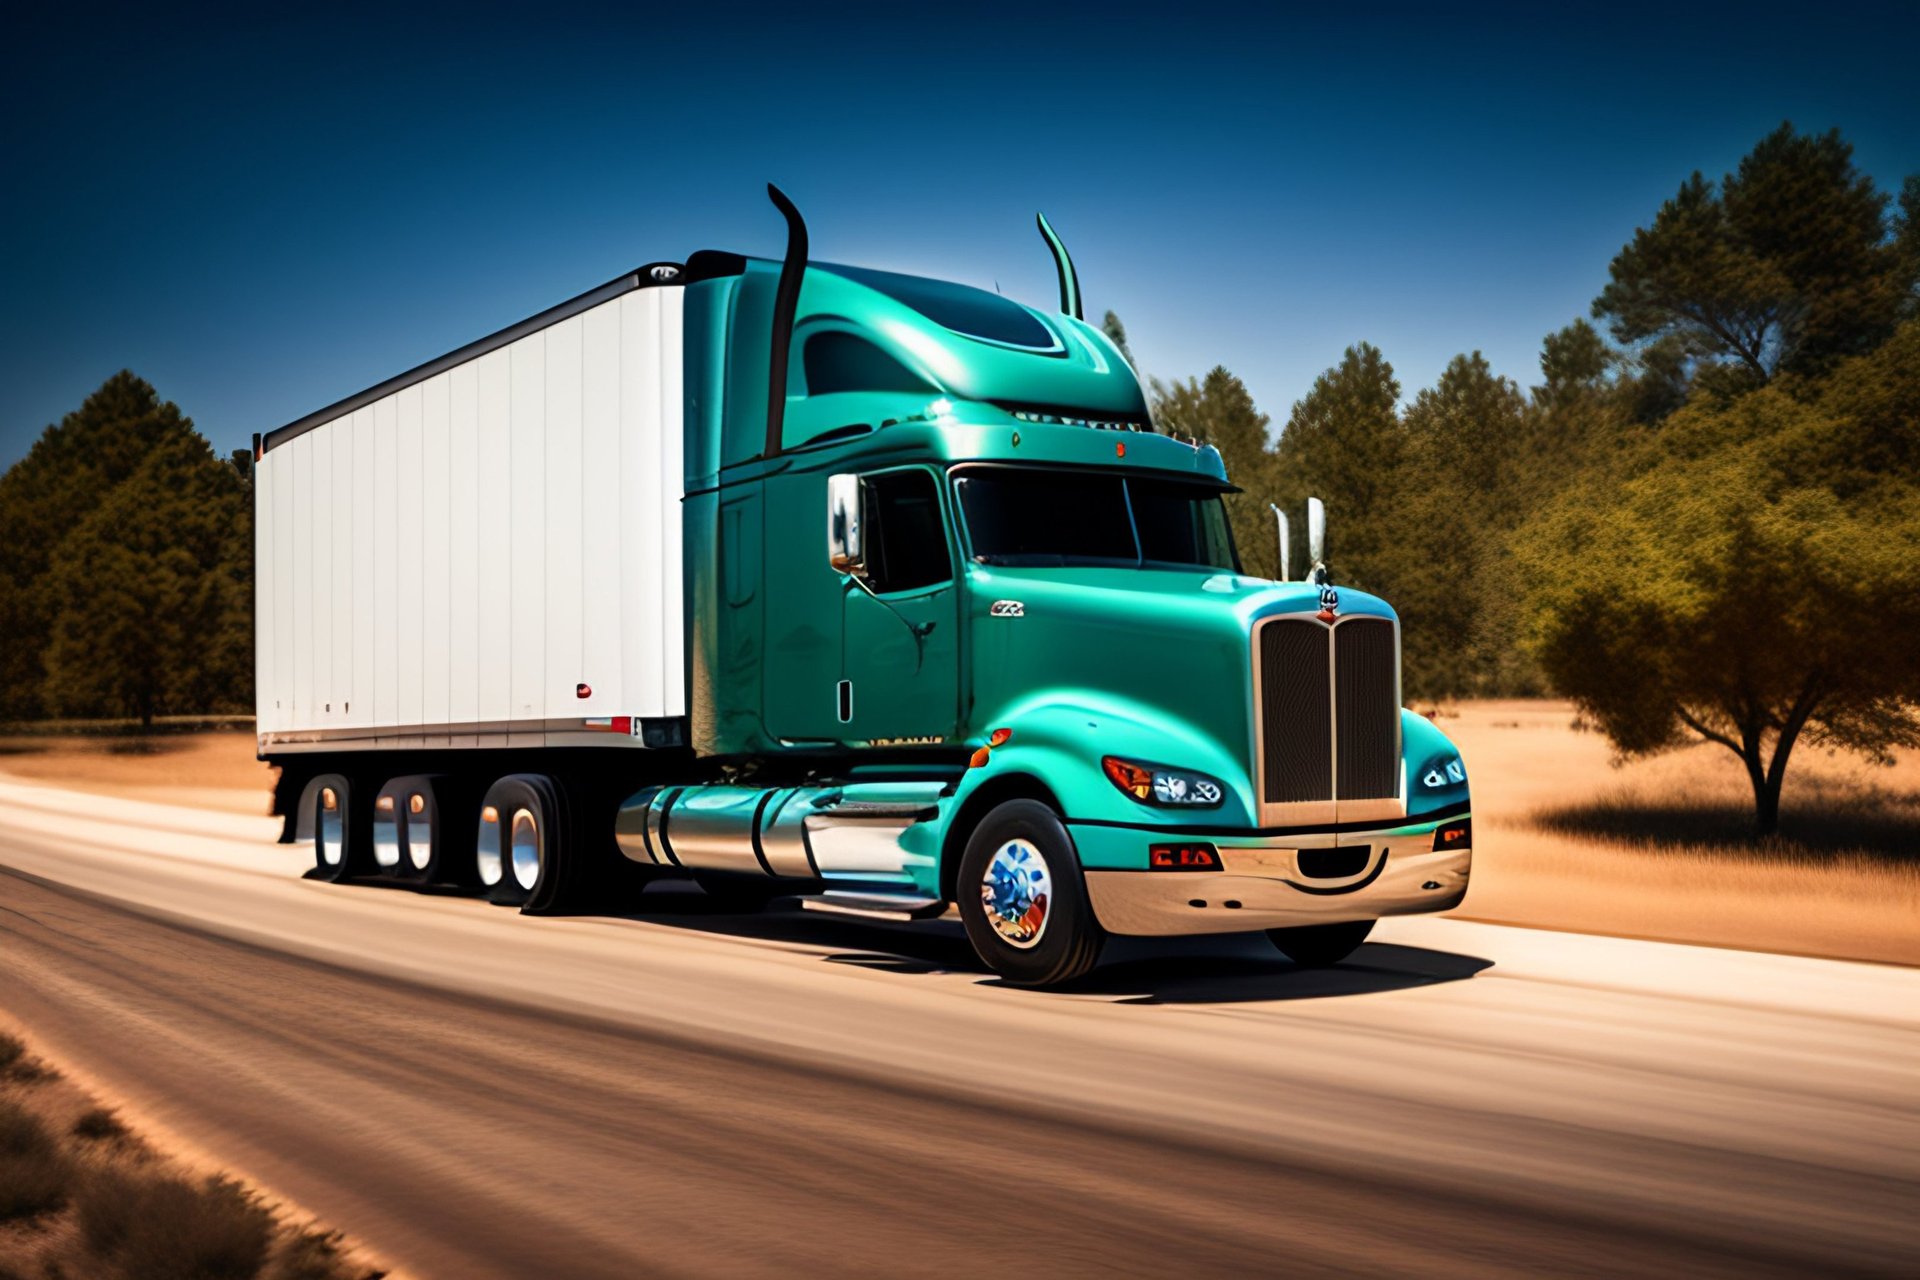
98 1202
213 769
34 1175
1664 848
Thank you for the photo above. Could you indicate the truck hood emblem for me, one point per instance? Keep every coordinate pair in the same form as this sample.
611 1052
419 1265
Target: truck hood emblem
1329 604
1007 609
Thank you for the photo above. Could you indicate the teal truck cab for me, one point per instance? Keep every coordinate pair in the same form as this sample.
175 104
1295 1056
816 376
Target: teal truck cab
964 630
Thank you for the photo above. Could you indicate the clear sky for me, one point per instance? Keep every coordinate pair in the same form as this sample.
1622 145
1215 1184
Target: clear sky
262 209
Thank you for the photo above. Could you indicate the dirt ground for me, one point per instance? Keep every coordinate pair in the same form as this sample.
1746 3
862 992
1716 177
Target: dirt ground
1662 848
214 770
1564 838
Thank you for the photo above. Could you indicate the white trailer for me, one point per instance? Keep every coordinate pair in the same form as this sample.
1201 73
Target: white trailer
484 551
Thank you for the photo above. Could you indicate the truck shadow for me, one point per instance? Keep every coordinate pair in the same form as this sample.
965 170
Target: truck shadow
1223 969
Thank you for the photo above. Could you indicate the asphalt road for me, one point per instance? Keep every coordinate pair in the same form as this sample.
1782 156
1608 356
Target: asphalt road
473 1093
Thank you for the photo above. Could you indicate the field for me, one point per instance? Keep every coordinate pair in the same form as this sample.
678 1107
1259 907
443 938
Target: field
1564 837
1663 848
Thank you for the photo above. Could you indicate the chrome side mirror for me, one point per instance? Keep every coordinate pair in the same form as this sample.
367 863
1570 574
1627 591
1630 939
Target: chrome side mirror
845 550
1282 532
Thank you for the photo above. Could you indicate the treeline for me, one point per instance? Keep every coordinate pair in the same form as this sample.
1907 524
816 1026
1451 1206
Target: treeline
1706 526
126 566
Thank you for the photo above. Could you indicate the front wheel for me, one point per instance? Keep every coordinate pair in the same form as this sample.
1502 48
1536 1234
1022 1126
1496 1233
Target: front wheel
1318 946
1023 900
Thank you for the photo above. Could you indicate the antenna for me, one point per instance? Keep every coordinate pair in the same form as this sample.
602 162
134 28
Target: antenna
786 301
1069 278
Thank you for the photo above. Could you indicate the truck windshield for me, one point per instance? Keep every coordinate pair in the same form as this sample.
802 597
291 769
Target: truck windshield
1018 516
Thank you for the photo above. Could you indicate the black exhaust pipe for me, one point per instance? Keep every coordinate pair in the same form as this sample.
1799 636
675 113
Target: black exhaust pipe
786 301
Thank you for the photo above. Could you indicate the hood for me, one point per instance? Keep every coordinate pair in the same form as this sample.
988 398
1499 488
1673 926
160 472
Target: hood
1161 656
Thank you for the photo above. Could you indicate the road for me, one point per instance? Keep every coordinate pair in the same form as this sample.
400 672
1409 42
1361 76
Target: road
473 1093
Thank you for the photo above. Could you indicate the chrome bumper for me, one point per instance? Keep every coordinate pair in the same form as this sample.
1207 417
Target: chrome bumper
1261 887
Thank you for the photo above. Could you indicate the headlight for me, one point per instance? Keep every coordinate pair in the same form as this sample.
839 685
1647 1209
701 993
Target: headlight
1446 771
1157 784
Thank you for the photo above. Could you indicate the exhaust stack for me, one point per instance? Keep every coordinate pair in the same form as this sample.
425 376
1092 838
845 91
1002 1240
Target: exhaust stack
1069 278
786 301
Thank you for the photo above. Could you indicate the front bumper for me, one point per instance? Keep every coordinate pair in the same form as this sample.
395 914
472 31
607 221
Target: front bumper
1263 885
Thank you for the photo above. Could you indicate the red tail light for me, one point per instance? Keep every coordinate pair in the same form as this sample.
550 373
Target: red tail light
1183 857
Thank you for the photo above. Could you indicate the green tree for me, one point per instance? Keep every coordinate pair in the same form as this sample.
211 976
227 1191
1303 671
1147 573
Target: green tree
1219 410
1787 264
1468 437
1117 333
67 473
1343 444
1751 578
151 594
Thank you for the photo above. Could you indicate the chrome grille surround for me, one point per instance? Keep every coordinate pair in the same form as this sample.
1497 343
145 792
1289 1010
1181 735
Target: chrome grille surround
1326 719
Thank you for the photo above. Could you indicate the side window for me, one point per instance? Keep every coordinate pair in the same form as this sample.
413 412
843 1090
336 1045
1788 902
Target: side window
905 536
839 361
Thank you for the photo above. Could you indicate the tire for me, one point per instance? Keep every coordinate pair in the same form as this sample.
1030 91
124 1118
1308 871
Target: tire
1021 846
436 832
546 867
330 817
1319 946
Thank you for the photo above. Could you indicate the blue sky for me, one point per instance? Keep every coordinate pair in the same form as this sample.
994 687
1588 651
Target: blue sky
261 212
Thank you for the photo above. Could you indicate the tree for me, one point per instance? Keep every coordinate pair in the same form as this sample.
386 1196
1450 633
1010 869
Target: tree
1219 411
1746 580
151 594
1117 334
44 496
1787 264
1343 444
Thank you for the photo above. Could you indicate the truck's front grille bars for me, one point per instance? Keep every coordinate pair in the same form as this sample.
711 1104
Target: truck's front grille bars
1329 715
1294 710
1368 717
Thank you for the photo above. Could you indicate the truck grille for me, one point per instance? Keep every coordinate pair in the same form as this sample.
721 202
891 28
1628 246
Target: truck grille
1329 710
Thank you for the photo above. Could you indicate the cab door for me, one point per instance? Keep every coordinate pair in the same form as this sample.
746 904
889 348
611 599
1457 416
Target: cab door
900 676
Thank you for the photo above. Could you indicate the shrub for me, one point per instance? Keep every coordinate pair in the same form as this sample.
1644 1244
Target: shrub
100 1125
160 1227
34 1176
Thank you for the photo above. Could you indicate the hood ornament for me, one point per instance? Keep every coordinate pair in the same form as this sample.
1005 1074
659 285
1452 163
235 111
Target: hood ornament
1329 603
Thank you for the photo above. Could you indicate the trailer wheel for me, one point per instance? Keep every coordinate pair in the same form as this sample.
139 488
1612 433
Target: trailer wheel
328 818
1319 946
435 845
1023 900
528 854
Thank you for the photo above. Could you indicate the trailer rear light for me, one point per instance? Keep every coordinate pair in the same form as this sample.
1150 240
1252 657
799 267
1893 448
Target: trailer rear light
1453 835
1183 857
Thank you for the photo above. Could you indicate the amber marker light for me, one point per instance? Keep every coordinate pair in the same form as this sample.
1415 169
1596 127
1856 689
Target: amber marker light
980 758
1129 777
489 814
998 738
1453 835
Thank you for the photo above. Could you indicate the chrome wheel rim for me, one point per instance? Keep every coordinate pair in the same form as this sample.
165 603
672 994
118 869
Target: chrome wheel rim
328 829
419 833
1017 892
487 850
525 848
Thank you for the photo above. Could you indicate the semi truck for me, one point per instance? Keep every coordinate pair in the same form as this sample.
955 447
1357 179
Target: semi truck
876 592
